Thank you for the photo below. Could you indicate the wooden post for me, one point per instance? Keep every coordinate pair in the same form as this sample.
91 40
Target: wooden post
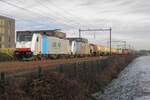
2 75
75 69
39 71
61 69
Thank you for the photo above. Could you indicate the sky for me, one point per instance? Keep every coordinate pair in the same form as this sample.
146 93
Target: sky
129 19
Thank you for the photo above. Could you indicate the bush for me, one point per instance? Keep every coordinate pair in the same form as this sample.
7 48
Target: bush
5 57
53 86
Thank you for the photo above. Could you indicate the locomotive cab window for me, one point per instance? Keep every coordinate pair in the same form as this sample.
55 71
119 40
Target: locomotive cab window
22 37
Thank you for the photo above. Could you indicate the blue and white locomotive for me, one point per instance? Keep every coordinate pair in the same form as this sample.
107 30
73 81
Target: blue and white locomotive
48 43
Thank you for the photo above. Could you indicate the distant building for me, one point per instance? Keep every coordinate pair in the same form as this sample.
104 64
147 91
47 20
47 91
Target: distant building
7 32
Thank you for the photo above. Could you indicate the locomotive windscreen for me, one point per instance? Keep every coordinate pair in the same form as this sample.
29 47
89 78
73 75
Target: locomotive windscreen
24 36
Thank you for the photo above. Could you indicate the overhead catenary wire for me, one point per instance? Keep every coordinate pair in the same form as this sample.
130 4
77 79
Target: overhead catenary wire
60 8
44 6
37 13
61 16
41 2
23 19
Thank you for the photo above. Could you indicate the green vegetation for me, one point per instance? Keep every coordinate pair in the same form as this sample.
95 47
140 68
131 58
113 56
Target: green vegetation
5 57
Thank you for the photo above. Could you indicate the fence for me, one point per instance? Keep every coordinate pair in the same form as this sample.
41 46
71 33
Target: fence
85 70
78 70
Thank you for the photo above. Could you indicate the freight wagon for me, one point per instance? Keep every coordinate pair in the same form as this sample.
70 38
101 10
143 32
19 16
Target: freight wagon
99 50
93 49
114 51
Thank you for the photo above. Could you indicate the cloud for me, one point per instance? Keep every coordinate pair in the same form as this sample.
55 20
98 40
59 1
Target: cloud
129 19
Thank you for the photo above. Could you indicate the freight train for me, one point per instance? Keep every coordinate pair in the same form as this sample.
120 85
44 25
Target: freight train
54 44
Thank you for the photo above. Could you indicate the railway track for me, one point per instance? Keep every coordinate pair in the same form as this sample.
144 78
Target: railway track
16 66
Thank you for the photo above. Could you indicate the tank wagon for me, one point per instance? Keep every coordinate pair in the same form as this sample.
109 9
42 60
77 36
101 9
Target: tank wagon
99 50
96 50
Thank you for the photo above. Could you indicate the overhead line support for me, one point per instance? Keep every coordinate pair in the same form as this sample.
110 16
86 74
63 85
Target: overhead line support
107 29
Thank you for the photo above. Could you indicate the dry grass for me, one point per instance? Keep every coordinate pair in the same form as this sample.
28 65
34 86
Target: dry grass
50 87
109 73
55 86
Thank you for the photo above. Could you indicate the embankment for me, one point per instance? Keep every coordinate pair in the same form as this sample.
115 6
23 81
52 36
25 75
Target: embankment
64 82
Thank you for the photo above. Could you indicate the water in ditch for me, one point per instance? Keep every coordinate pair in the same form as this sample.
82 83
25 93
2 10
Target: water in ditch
132 84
